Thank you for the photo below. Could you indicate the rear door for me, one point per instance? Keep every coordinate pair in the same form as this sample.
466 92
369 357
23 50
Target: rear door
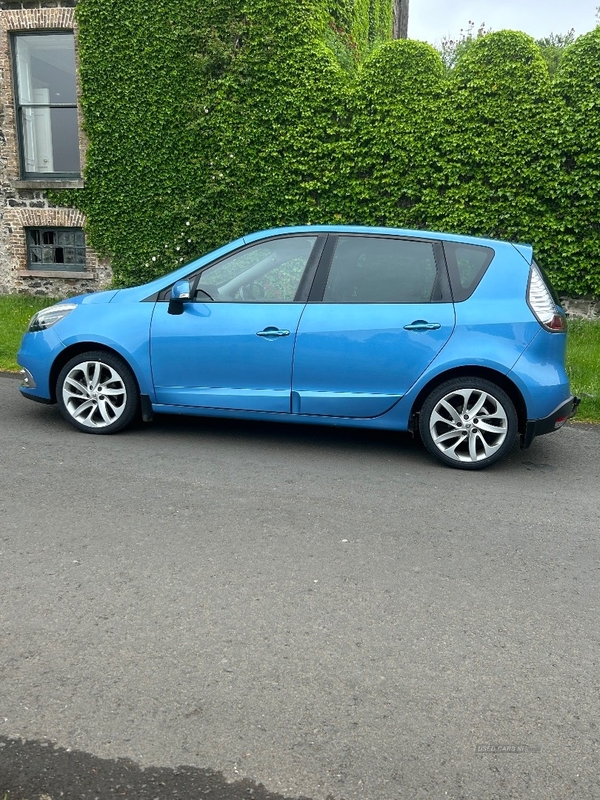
379 313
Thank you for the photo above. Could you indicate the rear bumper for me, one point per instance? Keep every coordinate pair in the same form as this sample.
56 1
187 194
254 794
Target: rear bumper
554 421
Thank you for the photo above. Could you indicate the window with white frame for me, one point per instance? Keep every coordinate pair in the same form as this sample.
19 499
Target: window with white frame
46 104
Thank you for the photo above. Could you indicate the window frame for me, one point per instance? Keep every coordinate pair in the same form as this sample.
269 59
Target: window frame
54 266
18 107
440 294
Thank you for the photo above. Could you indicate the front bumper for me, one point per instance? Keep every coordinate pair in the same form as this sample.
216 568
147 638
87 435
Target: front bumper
554 421
27 384
35 357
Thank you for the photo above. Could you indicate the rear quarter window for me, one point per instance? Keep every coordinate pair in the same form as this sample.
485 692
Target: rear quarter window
467 264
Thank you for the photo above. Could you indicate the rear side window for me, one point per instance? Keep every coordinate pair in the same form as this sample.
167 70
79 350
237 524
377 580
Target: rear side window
467 264
370 269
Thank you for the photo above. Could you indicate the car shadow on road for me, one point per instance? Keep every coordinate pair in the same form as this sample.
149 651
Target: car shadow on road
265 431
345 441
31 770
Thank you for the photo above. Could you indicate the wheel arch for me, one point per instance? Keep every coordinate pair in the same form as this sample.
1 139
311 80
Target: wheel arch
76 349
472 372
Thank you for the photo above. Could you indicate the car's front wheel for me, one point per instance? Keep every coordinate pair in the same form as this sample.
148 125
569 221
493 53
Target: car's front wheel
468 423
97 392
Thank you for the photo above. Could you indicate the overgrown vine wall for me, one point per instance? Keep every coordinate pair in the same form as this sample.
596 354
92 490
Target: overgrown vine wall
208 120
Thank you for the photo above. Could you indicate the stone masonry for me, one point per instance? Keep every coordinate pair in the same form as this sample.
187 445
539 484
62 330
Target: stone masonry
581 307
24 203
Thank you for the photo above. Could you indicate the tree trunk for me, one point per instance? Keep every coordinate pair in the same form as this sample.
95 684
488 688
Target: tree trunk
400 30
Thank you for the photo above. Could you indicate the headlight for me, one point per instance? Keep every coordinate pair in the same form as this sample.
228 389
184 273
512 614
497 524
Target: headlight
48 317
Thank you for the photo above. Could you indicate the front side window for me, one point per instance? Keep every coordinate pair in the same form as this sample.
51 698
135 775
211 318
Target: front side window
370 269
267 272
46 98
56 249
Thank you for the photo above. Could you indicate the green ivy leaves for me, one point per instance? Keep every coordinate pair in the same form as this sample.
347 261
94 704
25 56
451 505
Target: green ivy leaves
238 115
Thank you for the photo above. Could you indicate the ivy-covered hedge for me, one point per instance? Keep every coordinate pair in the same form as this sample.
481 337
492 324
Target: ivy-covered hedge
207 120
578 223
500 167
388 160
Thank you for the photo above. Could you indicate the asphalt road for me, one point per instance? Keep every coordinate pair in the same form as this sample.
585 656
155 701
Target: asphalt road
232 610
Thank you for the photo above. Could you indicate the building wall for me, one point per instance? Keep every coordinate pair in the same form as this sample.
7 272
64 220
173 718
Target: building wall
24 203
400 30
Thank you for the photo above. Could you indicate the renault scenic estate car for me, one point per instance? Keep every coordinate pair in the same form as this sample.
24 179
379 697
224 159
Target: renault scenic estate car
456 338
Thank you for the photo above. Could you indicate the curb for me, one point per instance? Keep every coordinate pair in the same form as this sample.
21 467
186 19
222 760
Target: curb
10 374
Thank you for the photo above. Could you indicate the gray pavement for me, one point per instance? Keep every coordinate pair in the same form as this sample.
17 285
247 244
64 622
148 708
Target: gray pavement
325 612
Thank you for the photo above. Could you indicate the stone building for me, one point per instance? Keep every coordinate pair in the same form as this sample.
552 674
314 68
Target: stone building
42 246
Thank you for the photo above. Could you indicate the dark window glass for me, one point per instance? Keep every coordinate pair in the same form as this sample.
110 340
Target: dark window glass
467 264
56 248
47 104
381 270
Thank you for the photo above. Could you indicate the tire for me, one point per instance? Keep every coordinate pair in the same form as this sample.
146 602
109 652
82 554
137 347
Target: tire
97 393
468 423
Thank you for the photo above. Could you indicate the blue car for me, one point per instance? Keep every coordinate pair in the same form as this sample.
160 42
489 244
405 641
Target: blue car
457 338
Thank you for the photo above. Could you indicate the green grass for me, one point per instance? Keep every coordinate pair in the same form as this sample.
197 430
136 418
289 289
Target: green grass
15 312
583 351
583 367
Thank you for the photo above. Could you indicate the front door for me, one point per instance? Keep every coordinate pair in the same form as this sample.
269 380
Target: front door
232 347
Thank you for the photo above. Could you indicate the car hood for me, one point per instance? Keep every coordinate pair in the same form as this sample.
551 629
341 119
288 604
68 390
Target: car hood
133 294
92 298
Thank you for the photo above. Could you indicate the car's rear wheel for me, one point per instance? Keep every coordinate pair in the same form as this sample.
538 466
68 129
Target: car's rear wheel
468 423
97 393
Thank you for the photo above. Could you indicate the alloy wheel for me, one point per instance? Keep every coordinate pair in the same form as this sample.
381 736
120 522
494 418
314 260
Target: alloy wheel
468 425
94 394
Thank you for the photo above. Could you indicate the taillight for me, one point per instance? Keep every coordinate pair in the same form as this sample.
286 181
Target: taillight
542 304
557 323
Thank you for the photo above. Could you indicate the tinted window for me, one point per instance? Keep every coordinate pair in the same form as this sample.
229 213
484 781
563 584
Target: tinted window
467 264
267 272
381 270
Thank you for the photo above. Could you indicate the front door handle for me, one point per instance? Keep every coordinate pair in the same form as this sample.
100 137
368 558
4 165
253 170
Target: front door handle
272 333
422 325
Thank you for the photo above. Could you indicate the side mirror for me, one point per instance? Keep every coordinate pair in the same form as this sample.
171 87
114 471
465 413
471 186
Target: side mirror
179 294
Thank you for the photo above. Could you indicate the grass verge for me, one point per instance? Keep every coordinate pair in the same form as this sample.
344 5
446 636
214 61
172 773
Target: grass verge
15 312
583 349
583 367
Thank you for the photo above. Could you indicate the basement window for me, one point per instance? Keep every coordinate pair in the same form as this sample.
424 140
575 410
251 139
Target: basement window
56 249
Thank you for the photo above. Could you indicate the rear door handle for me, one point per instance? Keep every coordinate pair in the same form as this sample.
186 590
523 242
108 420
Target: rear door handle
422 325
272 333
